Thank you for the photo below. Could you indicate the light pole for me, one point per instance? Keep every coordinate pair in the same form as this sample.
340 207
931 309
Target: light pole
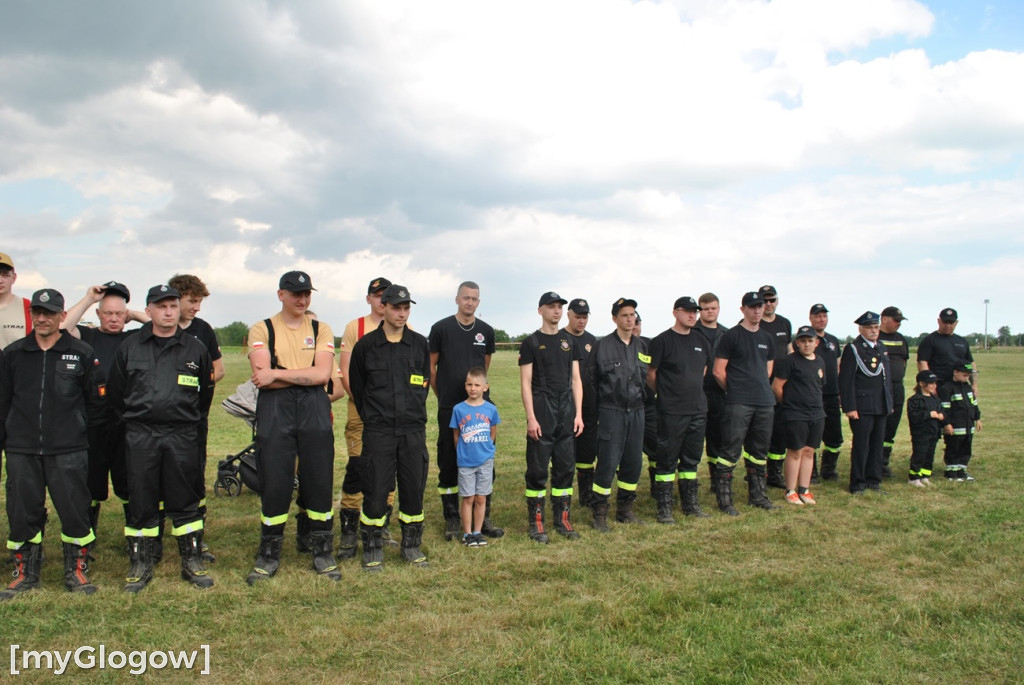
986 325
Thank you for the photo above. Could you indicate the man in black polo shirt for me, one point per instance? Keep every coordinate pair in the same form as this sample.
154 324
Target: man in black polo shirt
457 344
942 349
898 348
781 330
709 326
828 349
679 361
586 442
743 367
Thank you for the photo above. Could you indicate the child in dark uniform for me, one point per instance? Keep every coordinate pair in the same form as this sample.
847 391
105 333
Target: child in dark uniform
924 413
961 409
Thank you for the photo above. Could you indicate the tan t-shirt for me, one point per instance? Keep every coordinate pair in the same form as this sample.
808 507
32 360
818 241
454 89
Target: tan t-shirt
295 348
12 322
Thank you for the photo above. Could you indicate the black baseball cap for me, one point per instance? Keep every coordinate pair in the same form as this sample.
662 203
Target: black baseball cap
161 292
805 332
926 376
549 297
622 302
579 306
377 285
818 308
688 303
48 299
768 291
752 299
894 313
948 315
396 294
115 288
868 318
296 282
964 366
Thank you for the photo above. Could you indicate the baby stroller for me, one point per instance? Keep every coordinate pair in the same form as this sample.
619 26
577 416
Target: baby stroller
241 468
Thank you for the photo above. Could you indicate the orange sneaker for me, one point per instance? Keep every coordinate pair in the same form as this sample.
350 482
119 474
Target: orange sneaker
807 498
794 498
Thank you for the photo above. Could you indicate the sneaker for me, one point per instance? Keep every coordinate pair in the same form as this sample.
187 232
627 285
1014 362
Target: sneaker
966 476
481 541
794 498
916 482
469 540
807 498
950 474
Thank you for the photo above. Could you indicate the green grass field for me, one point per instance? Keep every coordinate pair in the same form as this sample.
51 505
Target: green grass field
919 586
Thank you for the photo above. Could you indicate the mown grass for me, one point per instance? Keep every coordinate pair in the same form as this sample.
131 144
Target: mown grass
919 586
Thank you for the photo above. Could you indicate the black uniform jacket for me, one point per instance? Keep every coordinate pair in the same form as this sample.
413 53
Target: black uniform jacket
160 386
869 395
390 381
619 372
43 396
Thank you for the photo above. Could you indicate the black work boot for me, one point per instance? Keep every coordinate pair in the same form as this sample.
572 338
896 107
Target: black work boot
205 554
624 507
599 504
76 569
886 456
712 470
663 497
452 520
757 489
385 531
488 528
412 538
723 491
323 554
815 477
268 559
774 476
349 540
303 543
652 472
829 461
373 548
157 554
560 513
585 486
94 518
140 555
535 515
28 560
190 547
688 491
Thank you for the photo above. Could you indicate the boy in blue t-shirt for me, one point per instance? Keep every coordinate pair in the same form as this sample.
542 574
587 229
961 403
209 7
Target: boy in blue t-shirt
474 424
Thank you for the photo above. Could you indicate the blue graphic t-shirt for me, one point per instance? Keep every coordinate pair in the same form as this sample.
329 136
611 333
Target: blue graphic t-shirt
474 425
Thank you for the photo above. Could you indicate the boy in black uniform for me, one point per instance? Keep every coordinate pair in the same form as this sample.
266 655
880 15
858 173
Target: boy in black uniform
552 392
679 361
618 368
709 326
829 349
161 387
781 330
743 366
899 354
457 344
964 418
45 379
926 418
586 442
867 400
389 376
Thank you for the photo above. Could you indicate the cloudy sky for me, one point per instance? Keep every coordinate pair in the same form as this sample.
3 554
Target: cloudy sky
859 153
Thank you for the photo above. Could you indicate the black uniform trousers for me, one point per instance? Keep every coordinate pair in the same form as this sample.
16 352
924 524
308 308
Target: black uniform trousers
866 453
922 456
29 476
958 449
650 447
163 465
555 448
832 437
447 457
777 441
620 440
892 422
713 437
295 422
388 457
106 456
586 442
746 427
680 439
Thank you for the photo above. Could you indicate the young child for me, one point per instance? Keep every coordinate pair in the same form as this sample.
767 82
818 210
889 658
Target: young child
961 409
474 425
924 413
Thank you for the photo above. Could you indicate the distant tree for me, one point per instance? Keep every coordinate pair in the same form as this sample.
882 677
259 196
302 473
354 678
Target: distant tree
232 335
1005 337
501 336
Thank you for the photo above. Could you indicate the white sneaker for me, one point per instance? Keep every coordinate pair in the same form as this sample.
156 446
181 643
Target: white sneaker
926 481
915 482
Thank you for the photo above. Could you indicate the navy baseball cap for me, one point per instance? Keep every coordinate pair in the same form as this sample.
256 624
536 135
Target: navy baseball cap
579 306
396 294
818 309
48 299
296 282
622 302
115 288
687 303
161 292
753 299
549 297
805 332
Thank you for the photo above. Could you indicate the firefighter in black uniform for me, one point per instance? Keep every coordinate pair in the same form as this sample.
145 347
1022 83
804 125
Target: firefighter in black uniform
161 386
867 400
586 442
45 379
781 330
389 377
618 367
829 350
898 348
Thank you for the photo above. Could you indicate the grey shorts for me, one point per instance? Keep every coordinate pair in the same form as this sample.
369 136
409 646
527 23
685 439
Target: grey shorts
476 480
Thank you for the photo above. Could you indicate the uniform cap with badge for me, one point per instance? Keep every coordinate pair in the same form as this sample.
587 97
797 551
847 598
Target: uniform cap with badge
579 306
396 294
161 292
296 282
753 299
894 313
818 308
805 332
48 299
377 285
687 303
622 302
927 376
868 318
549 297
948 315
115 288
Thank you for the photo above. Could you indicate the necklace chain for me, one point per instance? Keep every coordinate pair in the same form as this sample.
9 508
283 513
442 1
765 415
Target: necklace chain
471 326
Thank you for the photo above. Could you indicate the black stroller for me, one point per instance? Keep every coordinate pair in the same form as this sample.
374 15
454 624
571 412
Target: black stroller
241 468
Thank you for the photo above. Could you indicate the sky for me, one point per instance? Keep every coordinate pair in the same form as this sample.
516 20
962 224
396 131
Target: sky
859 153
